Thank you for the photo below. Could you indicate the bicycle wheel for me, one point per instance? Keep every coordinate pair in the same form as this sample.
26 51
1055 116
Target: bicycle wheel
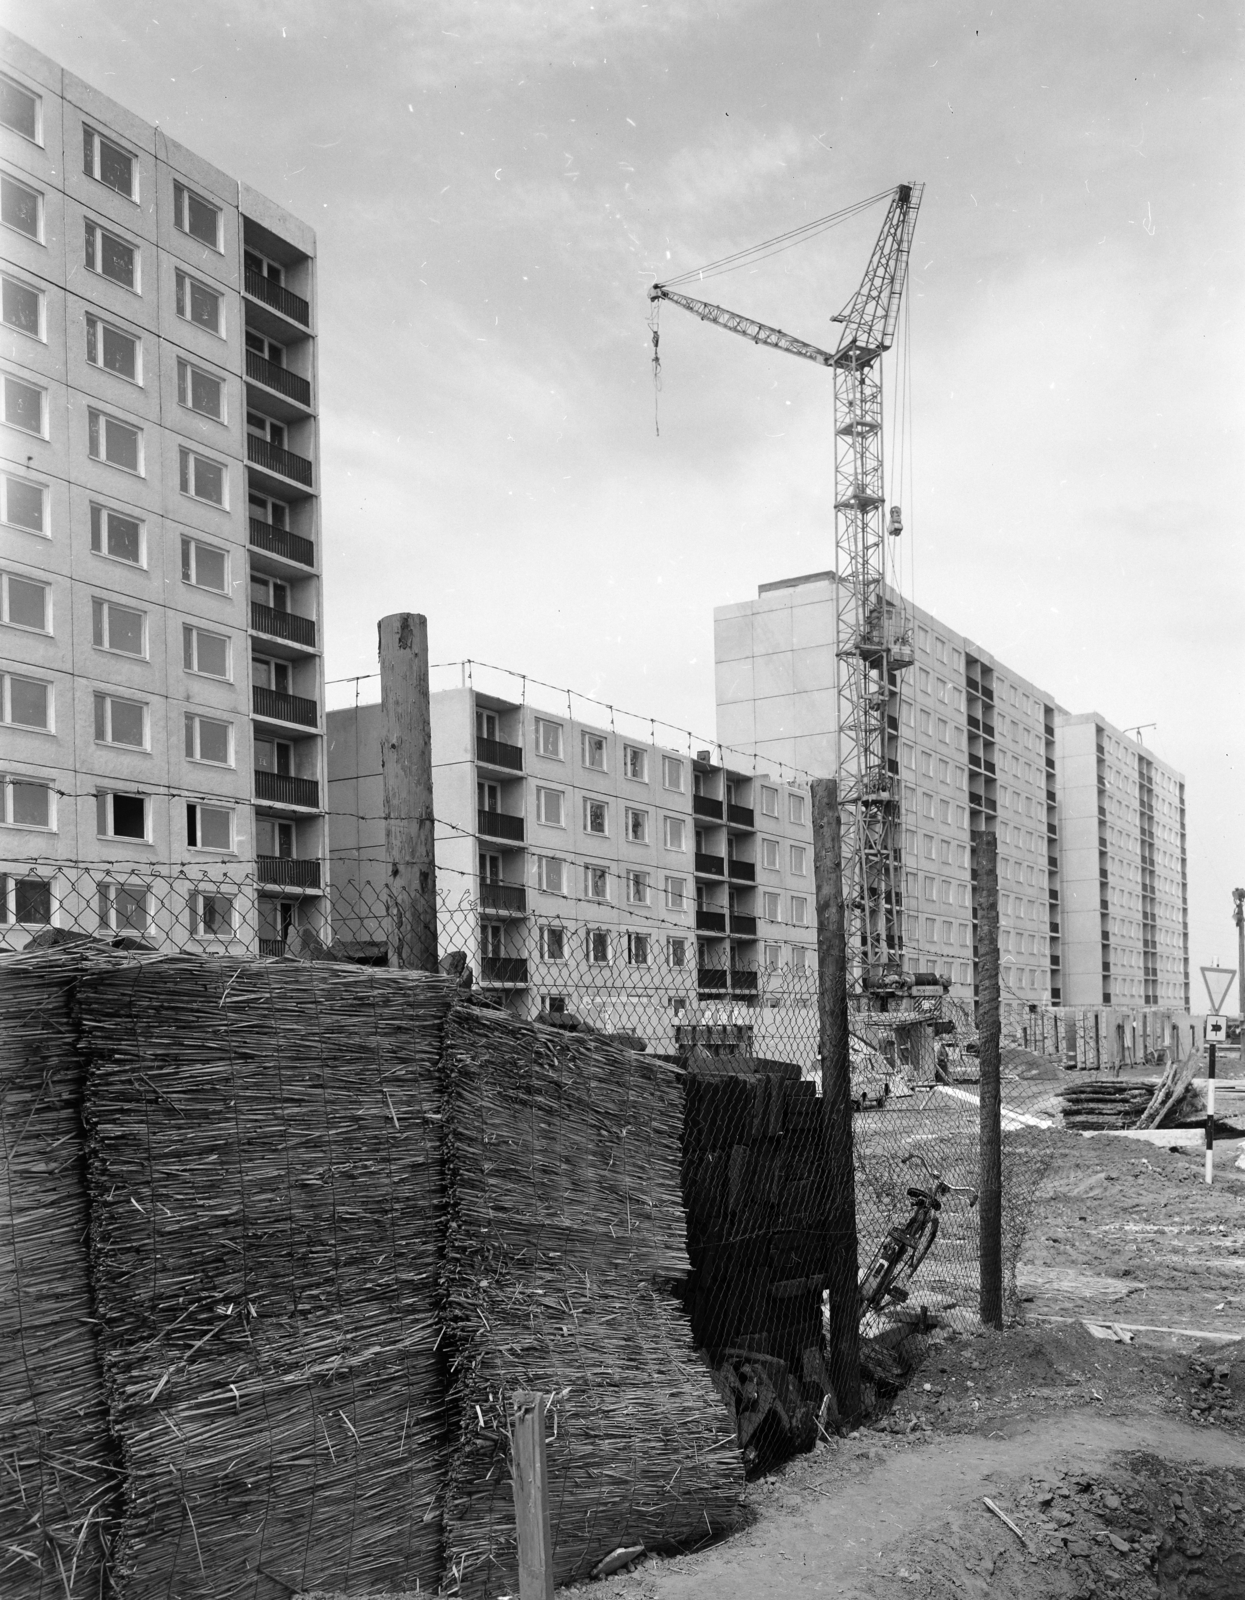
921 1247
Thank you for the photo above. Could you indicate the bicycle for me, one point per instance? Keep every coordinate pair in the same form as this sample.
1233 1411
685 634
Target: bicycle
904 1248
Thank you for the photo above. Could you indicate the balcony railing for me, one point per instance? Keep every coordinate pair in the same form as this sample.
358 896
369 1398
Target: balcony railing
281 542
497 754
284 707
509 970
710 921
280 299
288 872
744 871
262 453
743 926
741 816
279 378
503 897
283 625
499 825
710 866
272 947
703 806
711 978
743 982
283 789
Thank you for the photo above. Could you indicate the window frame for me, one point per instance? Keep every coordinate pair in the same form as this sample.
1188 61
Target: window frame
39 389
189 368
630 812
194 832
105 609
40 336
768 794
591 801
37 195
97 429
7 781
12 881
6 703
543 863
185 455
677 766
104 807
6 577
591 936
45 503
93 170
639 887
212 935
799 911
543 793
107 895
37 100
595 867
545 943
100 526
182 297
796 810
101 323
594 741
189 541
192 630
193 738
182 193
675 898
102 695
771 854
668 824
96 233
640 753
540 724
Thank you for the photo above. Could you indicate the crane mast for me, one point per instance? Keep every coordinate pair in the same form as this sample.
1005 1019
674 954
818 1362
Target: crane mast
873 643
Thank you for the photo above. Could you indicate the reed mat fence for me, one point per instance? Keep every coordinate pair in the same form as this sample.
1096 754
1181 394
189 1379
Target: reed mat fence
265 1170
565 1231
59 1479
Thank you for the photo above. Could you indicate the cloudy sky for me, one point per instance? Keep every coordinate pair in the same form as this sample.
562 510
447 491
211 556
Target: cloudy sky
495 185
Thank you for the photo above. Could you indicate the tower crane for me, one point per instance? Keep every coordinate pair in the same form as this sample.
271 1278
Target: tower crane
873 642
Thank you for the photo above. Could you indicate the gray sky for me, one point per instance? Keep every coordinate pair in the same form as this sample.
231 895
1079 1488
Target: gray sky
494 186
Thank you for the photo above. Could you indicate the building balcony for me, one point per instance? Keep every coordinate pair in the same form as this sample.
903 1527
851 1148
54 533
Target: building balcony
283 625
278 297
279 379
511 897
509 971
272 458
499 825
710 866
711 979
743 982
277 707
710 921
288 872
281 542
743 926
741 871
496 754
739 816
283 789
703 806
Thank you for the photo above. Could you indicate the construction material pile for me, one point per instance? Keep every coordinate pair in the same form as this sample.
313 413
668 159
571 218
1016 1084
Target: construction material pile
565 1229
1105 1103
59 1477
265 1165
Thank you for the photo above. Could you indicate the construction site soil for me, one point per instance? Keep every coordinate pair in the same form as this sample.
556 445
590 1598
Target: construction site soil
1119 1456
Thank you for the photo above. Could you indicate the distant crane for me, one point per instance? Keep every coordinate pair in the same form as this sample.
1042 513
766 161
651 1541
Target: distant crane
873 641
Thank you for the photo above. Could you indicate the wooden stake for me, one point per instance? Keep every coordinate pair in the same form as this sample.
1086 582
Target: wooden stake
843 1337
406 774
531 1496
990 1178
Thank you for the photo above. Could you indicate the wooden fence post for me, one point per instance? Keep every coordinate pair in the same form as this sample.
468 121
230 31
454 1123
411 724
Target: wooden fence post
843 1337
990 1178
406 776
531 1496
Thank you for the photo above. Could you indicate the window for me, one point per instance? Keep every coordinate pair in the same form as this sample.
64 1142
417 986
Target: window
771 955
799 911
795 809
275 595
637 888
799 958
944 815
769 801
674 833
550 808
927 846
274 512
927 804
20 110
942 730
676 894
28 804
798 860
198 304
202 478
596 883
596 816
594 751
21 208
121 816
200 391
948 933
635 762
119 628
769 855
676 953
25 603
672 774
123 908
22 504
909 757
115 442
205 566
25 900
931 930
940 648
598 947
549 739
940 689
119 537
209 827
113 349
111 257
204 652
196 216
120 721
267 349
21 307
965 933
926 722
274 675
208 739
552 943
551 874
25 702
23 405
108 163
960 777
771 906
211 915
273 838
636 825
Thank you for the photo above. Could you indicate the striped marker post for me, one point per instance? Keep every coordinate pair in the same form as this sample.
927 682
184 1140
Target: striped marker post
1210 1112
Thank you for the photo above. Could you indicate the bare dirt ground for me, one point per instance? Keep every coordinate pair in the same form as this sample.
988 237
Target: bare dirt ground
1121 1463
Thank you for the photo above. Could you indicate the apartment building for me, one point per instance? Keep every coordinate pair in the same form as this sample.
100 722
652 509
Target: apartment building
159 533
1124 875
580 868
975 746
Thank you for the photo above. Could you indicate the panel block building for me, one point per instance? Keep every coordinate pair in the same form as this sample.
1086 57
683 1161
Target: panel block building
159 533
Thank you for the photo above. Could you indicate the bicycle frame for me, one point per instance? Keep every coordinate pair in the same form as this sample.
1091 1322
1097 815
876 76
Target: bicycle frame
905 1247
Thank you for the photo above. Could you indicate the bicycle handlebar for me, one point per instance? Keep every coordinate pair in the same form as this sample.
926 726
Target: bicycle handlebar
950 1188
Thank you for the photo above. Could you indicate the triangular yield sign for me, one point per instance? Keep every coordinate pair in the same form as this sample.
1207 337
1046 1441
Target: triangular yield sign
1218 981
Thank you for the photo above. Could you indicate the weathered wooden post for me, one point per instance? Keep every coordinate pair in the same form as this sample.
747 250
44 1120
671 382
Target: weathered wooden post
843 1336
406 775
531 1495
990 1177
